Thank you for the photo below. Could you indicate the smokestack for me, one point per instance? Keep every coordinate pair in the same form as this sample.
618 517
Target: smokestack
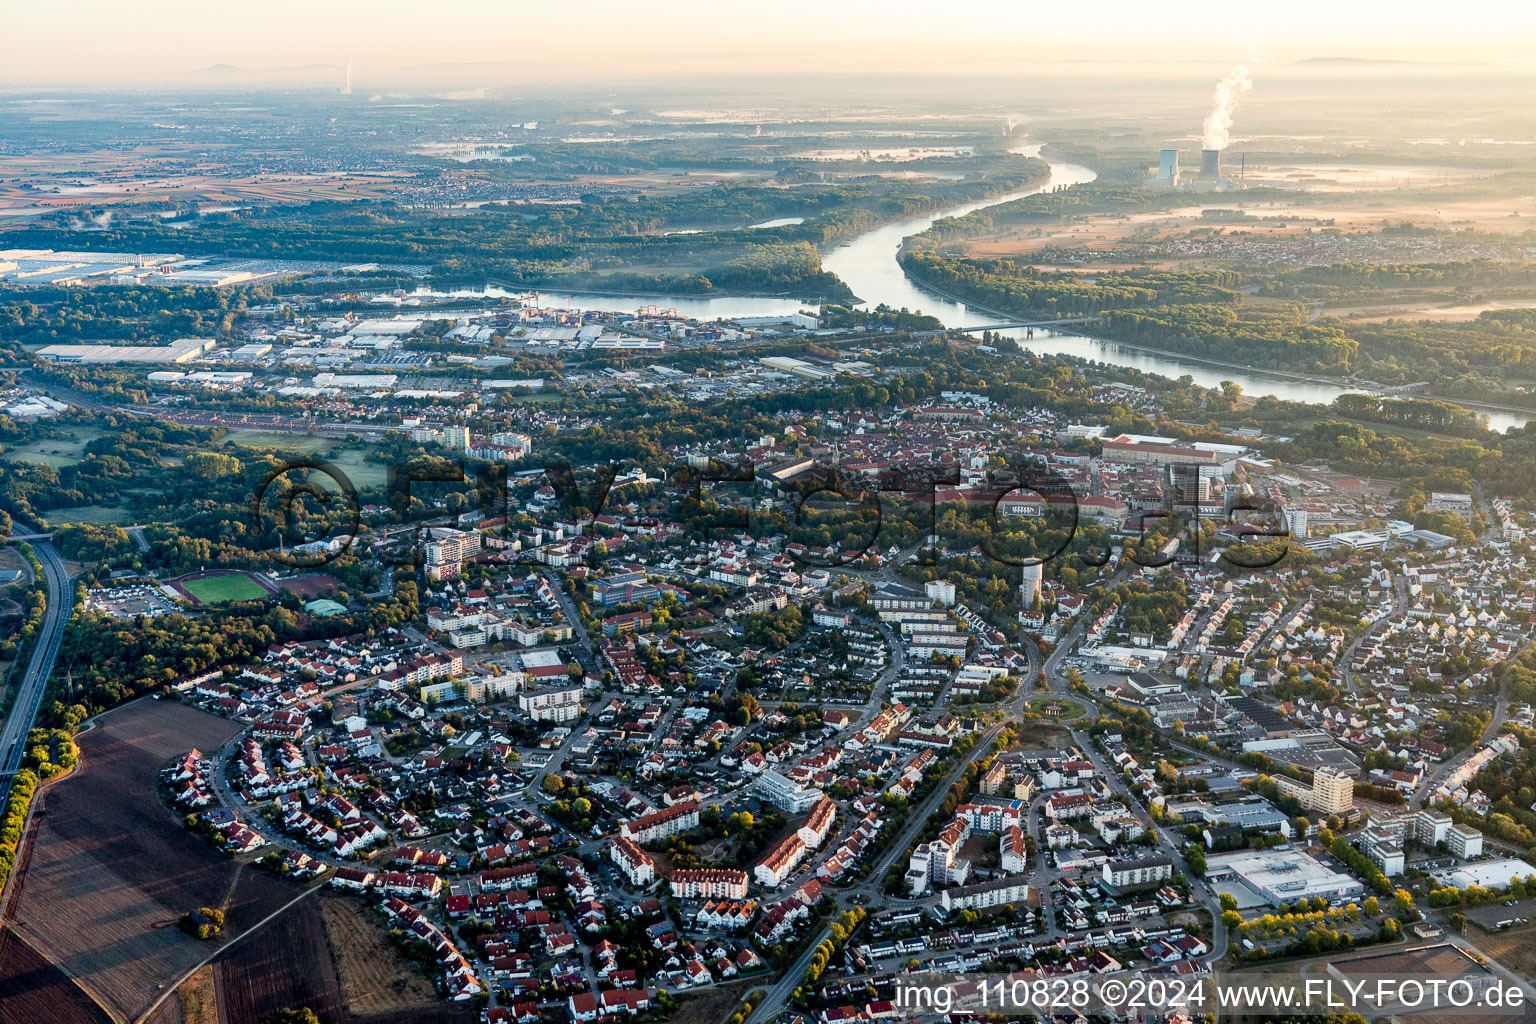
1210 165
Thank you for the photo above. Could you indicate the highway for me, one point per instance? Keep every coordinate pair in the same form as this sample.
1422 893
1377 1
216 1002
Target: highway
13 739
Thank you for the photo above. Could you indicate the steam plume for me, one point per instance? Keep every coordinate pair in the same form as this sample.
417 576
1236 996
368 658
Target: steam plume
1218 120
346 87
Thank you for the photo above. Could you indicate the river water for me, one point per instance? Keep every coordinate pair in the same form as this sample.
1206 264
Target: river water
867 263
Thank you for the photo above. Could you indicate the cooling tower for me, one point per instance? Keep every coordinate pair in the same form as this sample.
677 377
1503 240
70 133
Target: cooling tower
1168 164
1210 165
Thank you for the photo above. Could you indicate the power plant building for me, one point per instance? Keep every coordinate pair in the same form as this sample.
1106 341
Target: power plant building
1167 169
1208 177
1210 165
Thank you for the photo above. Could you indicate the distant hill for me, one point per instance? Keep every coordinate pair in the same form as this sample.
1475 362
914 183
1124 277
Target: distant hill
234 69
1377 62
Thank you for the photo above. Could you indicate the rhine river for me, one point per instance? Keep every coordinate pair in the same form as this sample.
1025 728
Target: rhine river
867 263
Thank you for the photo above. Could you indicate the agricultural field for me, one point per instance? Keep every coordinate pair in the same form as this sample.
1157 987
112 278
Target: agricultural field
106 178
286 963
375 977
108 868
279 966
711 1006
196 1000
33 990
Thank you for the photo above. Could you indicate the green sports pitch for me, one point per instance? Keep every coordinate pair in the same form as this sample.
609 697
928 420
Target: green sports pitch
221 589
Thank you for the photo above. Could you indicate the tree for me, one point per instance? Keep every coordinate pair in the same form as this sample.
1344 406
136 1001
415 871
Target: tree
203 923
212 465
1195 858
747 708
553 784
293 1015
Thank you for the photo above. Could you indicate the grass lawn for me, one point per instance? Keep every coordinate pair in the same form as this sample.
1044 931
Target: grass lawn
353 461
219 589
96 515
1066 711
57 451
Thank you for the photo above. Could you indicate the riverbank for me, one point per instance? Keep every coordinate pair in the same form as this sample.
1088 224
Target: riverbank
867 264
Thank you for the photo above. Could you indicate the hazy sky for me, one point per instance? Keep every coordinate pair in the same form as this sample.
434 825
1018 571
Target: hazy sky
88 40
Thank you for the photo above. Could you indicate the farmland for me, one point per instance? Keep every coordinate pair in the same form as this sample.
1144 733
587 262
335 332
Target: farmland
711 1006
375 977
196 1002
277 967
33 990
110 868
286 964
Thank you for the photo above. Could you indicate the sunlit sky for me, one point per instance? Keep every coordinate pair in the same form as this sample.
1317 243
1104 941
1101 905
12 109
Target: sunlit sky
92 40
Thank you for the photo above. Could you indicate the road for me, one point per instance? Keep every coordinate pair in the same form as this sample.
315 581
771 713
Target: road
778 996
572 616
34 682
1397 609
1496 722
1165 840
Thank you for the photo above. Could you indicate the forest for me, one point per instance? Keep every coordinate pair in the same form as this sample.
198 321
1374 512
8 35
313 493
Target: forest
1269 338
1017 288
688 242
104 662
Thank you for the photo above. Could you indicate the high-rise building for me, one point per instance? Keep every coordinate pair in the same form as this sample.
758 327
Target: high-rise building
1296 522
456 438
1464 842
446 550
521 443
1029 588
941 591
1333 792
1383 843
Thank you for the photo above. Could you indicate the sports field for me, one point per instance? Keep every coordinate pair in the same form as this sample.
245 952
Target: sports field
219 589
